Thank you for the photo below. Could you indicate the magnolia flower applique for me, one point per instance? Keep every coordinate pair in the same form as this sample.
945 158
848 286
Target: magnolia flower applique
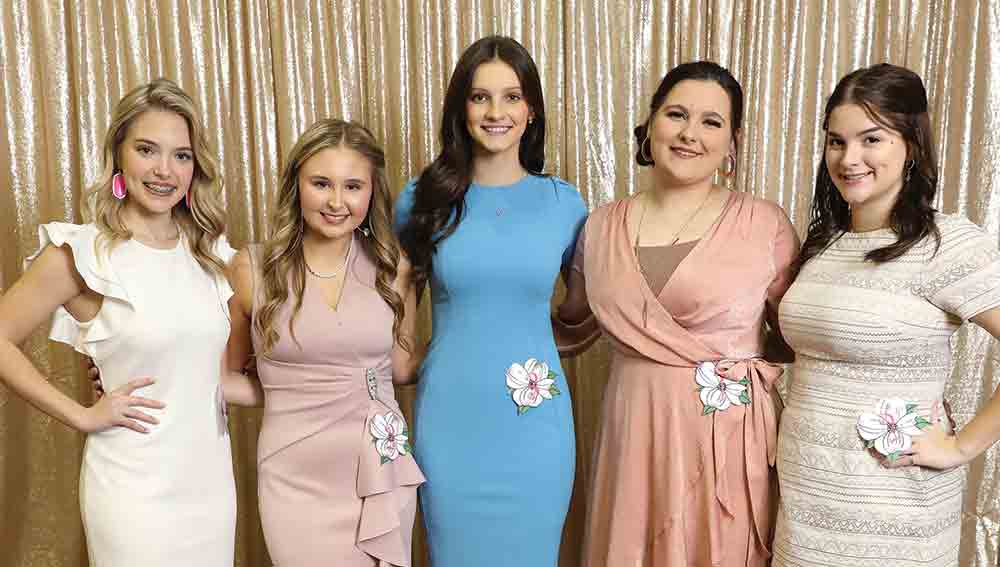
891 428
719 393
390 436
531 384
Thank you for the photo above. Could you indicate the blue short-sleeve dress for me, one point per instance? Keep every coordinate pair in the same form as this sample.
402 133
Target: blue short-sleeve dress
493 424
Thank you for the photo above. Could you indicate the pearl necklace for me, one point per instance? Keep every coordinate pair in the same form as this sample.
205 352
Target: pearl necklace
334 274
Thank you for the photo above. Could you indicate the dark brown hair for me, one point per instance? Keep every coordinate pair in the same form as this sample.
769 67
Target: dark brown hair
693 71
894 98
439 195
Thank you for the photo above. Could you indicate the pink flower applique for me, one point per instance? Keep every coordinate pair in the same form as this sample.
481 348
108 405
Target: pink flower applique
531 384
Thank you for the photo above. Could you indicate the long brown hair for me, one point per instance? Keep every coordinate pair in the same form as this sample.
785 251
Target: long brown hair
439 196
894 98
202 222
281 254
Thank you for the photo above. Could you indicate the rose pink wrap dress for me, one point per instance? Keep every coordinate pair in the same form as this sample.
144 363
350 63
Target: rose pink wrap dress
334 488
676 483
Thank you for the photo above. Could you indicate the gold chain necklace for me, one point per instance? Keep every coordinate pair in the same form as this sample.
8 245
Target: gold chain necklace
677 235
334 274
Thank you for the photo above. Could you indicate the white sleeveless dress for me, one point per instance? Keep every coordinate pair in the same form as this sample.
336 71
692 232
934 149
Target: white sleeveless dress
164 498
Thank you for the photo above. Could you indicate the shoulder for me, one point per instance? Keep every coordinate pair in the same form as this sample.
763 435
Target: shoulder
60 233
759 207
64 242
241 275
600 216
223 249
566 194
952 226
761 216
961 236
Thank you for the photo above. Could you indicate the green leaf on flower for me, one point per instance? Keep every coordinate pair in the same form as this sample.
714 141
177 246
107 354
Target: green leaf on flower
407 448
894 455
922 423
553 390
910 407
745 382
869 444
552 375
745 398
384 460
708 410
521 410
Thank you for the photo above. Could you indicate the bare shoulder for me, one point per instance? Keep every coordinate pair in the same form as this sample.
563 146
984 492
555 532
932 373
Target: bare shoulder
55 268
241 278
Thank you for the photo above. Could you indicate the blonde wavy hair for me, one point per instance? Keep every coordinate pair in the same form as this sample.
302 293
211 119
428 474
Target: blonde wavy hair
281 254
203 223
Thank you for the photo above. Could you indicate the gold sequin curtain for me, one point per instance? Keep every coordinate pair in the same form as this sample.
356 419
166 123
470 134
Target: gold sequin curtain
263 70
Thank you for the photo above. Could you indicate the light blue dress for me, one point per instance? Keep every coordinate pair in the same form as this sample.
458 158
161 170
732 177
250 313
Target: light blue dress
493 426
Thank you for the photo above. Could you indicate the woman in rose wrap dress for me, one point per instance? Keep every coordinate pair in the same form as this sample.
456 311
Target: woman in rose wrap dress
681 279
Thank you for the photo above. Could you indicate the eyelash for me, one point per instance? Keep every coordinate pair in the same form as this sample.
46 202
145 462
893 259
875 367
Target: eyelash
870 140
147 151
324 185
479 97
678 115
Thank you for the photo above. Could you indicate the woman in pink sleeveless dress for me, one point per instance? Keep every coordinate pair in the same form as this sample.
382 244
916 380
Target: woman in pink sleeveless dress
325 306
681 279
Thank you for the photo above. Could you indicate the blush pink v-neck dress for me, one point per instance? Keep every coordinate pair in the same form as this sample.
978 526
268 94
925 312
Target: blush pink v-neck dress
673 486
327 495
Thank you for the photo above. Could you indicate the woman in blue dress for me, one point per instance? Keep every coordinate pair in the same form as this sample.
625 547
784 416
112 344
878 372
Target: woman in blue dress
490 233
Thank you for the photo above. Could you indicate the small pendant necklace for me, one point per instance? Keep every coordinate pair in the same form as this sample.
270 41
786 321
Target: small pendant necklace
334 274
677 234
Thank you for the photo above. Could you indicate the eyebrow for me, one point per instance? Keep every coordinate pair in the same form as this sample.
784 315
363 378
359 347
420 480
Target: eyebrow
861 133
321 177
152 143
502 89
684 108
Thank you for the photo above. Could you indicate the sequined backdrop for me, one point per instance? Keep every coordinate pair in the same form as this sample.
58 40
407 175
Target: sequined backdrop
262 70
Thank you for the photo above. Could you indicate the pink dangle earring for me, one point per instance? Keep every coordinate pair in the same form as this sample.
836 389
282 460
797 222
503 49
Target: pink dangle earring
118 185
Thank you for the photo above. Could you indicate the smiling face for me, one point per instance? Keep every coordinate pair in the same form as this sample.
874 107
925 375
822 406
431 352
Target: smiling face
335 189
496 111
691 133
865 160
157 162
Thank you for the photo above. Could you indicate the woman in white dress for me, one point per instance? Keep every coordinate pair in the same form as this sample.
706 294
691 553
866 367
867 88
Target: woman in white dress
141 289
870 471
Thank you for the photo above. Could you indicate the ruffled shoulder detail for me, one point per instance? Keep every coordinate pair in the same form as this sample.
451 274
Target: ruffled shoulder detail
97 272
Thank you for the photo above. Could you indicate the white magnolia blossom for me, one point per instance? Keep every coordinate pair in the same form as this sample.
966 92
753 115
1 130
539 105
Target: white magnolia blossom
718 393
530 384
890 429
390 435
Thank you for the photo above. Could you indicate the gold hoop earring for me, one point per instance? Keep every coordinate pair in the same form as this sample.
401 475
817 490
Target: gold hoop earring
644 153
728 172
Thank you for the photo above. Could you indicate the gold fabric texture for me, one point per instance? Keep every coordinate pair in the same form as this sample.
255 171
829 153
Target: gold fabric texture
263 70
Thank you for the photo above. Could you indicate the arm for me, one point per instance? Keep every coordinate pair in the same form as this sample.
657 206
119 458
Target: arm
239 387
574 325
938 449
406 364
785 251
51 281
